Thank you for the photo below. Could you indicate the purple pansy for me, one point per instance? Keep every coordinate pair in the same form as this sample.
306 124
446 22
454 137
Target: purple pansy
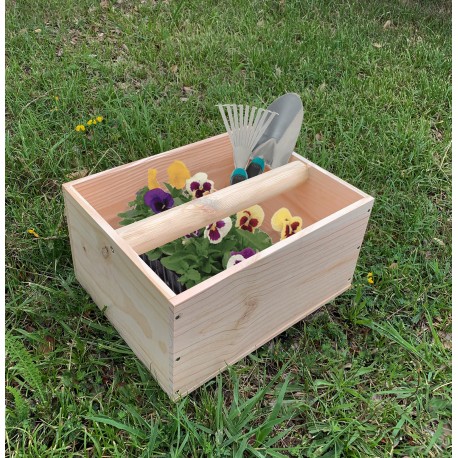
158 200
217 231
199 185
193 234
246 252
239 256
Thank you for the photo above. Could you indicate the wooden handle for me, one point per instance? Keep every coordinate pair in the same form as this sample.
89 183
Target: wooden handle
162 228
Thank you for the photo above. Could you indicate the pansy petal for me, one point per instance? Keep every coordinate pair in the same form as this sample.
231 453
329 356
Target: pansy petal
207 186
279 217
158 200
249 218
178 174
214 235
235 259
152 180
256 212
200 176
291 227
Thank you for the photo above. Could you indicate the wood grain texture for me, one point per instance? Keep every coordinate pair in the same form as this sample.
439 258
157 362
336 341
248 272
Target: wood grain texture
119 281
245 308
162 228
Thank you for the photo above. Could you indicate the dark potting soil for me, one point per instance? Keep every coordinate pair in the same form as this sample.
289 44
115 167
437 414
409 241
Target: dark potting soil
167 276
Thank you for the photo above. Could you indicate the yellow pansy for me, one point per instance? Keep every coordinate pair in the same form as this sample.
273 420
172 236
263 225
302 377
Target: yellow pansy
178 174
279 217
282 221
290 227
250 219
152 180
80 128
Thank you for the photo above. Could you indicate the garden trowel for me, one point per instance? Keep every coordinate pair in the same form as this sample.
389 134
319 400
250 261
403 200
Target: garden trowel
277 143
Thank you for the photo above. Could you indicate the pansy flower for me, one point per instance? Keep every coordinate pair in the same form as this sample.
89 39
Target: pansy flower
158 200
178 174
250 219
217 231
152 180
283 222
199 185
193 234
239 256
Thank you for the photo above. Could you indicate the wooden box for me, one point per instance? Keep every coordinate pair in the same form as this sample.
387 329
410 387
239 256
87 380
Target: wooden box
186 339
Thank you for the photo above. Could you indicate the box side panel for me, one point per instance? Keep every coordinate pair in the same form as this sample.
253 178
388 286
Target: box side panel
224 323
111 191
139 312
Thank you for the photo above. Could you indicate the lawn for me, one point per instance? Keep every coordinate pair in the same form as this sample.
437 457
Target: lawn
367 375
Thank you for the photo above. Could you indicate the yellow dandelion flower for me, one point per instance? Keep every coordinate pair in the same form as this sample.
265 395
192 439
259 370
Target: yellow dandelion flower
279 217
152 180
94 122
250 219
90 122
370 278
32 231
80 128
56 98
99 118
178 174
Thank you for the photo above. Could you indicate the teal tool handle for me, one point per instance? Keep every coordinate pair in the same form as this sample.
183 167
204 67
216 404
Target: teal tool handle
238 175
256 167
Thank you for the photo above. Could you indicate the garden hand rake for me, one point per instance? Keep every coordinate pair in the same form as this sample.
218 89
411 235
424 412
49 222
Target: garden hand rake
245 126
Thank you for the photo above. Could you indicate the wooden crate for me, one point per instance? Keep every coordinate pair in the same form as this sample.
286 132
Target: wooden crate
186 339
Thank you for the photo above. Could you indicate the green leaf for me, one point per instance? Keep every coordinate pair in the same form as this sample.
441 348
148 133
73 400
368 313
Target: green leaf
154 255
193 274
116 424
226 257
257 240
175 263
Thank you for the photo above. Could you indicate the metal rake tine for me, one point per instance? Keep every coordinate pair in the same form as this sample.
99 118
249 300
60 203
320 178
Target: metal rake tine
256 115
241 124
231 122
264 124
251 123
260 116
246 127
226 124
237 124
247 112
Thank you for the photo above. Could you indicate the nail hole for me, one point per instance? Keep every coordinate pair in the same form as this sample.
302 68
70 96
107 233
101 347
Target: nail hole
349 279
84 249
178 359
358 247
368 211
178 316
112 249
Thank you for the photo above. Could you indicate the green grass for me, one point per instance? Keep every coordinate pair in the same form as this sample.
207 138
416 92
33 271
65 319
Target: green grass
370 373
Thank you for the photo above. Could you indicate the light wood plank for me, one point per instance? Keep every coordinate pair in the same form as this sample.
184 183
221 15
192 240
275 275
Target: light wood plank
160 229
117 279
